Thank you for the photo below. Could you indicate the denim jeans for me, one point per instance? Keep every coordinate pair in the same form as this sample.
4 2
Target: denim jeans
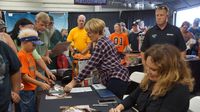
27 103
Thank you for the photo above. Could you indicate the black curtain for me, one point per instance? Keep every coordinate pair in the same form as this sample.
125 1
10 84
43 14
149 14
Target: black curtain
110 18
148 16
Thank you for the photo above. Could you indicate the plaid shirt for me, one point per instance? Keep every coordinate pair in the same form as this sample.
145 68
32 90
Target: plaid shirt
105 59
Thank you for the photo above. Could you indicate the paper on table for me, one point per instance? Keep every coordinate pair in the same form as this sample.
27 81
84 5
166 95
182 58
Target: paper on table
47 97
98 86
81 89
77 108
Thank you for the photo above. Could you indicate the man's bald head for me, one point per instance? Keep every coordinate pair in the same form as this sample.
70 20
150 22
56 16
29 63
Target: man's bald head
81 21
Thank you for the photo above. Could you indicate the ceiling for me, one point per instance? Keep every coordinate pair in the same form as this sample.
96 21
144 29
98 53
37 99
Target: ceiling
150 4
112 5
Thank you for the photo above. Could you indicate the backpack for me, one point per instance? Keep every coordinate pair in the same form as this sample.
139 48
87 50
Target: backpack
62 61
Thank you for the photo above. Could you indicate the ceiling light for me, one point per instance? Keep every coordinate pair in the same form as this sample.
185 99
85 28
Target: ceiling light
129 5
137 5
152 5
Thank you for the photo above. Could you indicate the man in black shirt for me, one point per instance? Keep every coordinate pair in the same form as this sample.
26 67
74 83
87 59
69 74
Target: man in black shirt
9 75
163 32
134 37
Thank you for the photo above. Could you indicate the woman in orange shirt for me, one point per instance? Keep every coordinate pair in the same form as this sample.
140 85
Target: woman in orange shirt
119 39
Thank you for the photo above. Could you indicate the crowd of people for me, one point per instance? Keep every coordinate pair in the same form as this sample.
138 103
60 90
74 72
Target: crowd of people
26 59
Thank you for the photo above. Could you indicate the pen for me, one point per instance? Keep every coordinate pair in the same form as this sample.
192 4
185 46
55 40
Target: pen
100 105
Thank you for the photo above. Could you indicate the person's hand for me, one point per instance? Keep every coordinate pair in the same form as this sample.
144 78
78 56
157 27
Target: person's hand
47 59
44 86
50 75
21 86
50 82
67 89
119 108
49 52
71 49
69 86
114 110
15 97
83 52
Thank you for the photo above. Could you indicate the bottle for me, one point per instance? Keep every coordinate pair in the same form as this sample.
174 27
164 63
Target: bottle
75 51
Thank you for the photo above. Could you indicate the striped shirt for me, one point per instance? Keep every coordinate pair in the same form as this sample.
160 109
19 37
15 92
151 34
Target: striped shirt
105 59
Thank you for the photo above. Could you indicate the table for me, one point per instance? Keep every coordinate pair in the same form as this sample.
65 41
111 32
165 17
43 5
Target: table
195 68
85 98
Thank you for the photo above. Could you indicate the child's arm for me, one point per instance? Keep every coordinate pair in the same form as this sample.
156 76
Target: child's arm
44 86
39 75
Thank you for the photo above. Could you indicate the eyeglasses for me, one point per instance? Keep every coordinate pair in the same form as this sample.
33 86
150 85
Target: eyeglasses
162 7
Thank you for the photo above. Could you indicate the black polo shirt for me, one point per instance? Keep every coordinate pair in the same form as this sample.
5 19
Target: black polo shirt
169 35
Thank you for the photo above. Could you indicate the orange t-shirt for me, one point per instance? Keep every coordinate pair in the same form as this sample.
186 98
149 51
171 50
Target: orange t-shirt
120 40
28 68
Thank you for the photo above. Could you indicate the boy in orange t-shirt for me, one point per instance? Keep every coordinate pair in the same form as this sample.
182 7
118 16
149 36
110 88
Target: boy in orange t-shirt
29 39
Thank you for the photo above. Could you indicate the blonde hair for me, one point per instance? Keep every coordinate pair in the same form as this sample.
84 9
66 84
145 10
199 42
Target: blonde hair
172 70
95 25
27 33
43 17
163 7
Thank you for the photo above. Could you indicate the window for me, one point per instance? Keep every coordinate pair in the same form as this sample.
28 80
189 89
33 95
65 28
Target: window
187 15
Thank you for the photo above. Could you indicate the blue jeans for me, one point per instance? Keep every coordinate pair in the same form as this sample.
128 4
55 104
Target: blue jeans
27 103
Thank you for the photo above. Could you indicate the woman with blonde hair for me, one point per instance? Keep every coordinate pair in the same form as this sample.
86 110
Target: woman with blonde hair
104 58
166 86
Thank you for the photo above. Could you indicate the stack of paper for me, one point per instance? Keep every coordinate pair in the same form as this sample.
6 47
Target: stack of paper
48 97
98 86
80 89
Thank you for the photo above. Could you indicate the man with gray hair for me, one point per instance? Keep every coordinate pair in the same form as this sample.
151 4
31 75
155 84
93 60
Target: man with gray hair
54 38
79 38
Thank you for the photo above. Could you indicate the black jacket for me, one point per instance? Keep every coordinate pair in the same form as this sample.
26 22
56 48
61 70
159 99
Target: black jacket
175 100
